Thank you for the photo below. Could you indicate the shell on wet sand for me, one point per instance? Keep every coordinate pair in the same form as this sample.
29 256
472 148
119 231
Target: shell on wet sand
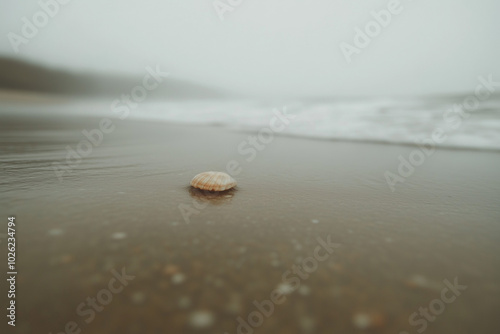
213 181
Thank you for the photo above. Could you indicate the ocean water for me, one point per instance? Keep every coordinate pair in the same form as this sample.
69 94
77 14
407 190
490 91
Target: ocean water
409 121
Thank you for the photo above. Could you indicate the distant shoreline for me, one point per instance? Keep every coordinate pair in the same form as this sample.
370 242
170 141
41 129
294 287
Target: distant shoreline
21 96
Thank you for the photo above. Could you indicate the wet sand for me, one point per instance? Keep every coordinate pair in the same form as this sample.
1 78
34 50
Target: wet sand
121 207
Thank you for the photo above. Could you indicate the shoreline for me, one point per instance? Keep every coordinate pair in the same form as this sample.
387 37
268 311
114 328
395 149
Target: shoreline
115 120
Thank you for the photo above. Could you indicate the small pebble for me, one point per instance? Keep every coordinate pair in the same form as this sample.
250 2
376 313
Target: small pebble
361 321
55 232
201 319
315 221
138 297
285 289
170 269
178 278
417 281
119 235
366 321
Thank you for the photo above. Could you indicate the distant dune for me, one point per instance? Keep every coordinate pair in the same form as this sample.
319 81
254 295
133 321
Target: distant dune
24 76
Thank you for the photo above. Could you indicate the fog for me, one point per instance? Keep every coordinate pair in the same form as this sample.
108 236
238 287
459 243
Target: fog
269 48
250 166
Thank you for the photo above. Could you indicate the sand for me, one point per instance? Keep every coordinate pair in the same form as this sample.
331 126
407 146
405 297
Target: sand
120 209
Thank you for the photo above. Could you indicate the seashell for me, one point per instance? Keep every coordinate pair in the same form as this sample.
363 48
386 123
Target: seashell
213 181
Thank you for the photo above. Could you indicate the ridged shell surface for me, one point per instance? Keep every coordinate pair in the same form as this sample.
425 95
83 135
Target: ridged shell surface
213 181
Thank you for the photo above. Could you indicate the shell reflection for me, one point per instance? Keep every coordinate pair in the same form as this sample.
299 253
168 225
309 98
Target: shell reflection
214 197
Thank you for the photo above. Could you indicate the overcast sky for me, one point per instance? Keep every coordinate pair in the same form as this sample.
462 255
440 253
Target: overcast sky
275 47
